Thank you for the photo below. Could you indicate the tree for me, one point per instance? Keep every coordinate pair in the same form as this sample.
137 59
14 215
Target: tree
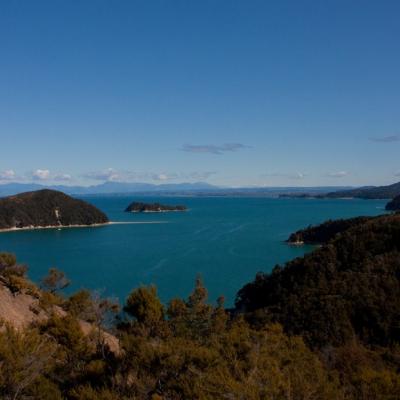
144 305
55 281
24 357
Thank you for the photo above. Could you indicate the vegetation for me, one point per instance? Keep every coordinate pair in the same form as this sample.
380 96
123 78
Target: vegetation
47 208
152 207
369 192
325 326
324 232
349 288
393 205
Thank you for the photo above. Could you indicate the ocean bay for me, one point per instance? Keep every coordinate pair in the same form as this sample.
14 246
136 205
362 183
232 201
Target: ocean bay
226 240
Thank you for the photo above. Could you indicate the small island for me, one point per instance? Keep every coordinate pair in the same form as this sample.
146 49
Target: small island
47 209
393 205
139 207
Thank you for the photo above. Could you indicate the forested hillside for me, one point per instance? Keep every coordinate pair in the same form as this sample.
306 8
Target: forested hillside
347 289
47 208
394 205
369 192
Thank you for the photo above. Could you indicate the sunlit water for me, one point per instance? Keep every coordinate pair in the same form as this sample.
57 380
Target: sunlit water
226 240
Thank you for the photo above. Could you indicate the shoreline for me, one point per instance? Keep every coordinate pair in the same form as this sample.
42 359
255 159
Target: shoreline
154 212
60 227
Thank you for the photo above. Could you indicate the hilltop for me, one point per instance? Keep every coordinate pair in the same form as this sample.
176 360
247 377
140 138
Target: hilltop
47 208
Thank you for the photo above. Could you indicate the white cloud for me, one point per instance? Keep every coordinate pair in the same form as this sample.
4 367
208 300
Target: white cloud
161 177
41 174
298 175
112 174
386 139
62 177
291 175
338 174
7 175
109 175
213 149
201 175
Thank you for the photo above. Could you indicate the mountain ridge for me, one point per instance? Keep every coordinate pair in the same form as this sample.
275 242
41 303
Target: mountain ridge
194 188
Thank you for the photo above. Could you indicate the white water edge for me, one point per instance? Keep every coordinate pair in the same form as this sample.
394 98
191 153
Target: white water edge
60 227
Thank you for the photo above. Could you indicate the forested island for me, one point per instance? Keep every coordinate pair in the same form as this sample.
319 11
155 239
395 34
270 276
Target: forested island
140 207
322 327
47 208
393 205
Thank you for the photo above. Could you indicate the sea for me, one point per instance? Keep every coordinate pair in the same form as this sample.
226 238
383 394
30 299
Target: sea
225 240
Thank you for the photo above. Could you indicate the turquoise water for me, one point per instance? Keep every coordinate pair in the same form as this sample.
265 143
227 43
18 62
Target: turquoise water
226 240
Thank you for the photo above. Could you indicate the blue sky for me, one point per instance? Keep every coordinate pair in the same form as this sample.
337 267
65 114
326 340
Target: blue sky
237 93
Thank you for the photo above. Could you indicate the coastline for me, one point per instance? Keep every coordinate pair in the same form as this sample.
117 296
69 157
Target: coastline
154 211
32 228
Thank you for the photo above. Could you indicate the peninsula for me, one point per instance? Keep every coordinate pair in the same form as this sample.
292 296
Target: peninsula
393 205
322 233
139 207
46 209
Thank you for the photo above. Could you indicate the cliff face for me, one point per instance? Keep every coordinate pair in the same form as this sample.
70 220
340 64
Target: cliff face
22 308
393 205
45 208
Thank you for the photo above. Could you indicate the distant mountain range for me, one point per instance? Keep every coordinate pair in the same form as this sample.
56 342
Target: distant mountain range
168 189
106 188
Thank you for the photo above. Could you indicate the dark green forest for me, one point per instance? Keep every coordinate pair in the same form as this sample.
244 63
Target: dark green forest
326 231
137 206
47 208
323 326
394 205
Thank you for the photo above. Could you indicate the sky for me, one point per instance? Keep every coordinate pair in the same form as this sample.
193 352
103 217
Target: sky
235 93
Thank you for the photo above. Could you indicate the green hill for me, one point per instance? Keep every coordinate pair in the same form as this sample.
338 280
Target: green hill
349 288
46 208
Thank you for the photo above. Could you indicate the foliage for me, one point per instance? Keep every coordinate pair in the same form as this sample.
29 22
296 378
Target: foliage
349 288
144 305
393 205
47 208
25 357
13 274
153 207
326 231
55 281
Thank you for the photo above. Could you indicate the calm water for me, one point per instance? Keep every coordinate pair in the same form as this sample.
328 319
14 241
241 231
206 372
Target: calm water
226 240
